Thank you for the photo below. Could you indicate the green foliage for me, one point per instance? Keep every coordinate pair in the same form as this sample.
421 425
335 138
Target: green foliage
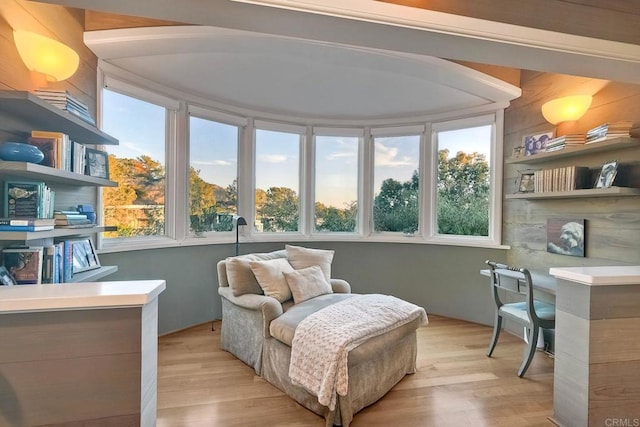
396 207
463 194
332 219
280 210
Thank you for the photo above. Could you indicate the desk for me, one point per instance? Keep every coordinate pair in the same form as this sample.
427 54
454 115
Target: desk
79 353
541 281
597 357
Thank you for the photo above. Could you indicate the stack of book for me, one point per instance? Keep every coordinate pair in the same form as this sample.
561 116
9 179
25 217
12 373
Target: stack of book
71 219
621 129
26 224
571 140
561 179
63 100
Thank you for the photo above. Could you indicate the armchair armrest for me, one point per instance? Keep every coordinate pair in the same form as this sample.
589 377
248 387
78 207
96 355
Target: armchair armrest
270 307
340 286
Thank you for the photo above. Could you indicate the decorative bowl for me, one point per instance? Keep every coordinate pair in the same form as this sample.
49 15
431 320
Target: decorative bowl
19 152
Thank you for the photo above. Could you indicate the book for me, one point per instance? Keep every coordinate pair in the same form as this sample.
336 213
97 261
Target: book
48 264
24 264
64 147
26 227
27 221
22 199
67 262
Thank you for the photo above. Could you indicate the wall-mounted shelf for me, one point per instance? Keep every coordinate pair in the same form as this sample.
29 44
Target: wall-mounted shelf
34 172
607 145
51 234
576 194
93 275
23 112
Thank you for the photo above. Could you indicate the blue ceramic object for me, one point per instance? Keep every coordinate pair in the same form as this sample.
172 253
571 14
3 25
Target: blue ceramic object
19 152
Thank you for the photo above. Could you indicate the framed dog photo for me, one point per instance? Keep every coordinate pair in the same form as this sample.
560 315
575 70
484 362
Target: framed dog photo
607 175
6 279
97 163
565 236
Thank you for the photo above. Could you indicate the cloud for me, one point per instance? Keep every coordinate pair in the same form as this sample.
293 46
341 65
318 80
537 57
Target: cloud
342 155
272 158
132 146
212 162
388 156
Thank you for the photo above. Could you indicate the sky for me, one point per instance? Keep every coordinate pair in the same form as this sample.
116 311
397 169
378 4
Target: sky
139 126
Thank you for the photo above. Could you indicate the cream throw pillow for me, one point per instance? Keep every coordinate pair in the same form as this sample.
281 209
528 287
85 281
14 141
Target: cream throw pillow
270 275
307 283
300 258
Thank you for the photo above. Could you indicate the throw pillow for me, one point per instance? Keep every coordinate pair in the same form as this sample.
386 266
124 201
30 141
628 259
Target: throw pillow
300 257
241 278
271 278
307 283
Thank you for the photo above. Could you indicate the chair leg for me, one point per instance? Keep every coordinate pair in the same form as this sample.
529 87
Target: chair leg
529 351
497 327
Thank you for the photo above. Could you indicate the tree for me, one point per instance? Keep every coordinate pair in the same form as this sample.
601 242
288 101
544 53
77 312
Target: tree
280 210
396 207
463 194
332 219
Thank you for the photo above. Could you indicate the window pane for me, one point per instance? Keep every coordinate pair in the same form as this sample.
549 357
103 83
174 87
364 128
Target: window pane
463 181
396 184
277 181
336 181
136 206
213 180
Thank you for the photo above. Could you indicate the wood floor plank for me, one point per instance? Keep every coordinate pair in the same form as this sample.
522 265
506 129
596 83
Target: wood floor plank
456 384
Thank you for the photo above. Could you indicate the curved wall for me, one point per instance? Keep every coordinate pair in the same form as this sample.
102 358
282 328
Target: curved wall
443 279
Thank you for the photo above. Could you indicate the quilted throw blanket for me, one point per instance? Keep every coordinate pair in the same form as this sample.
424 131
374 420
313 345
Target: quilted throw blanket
322 341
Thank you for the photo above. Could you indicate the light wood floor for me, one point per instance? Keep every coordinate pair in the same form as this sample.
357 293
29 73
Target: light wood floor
456 384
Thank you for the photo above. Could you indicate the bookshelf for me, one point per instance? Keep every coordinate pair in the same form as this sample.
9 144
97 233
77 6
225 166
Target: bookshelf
20 113
602 146
576 194
609 145
23 112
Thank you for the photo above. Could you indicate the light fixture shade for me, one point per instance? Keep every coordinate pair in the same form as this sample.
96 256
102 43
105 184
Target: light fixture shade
47 56
569 108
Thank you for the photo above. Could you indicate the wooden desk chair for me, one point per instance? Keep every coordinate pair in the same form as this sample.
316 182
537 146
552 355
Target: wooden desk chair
530 313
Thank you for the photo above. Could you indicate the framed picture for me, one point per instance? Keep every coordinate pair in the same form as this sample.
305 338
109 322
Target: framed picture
84 255
565 236
534 144
526 182
6 279
97 163
607 175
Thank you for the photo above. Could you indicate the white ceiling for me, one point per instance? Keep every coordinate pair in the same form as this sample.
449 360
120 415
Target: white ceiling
296 77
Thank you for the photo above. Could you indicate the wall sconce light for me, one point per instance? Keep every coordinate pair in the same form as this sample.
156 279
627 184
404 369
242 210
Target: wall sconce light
567 109
239 221
46 56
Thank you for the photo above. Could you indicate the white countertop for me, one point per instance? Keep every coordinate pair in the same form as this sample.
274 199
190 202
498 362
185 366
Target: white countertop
69 296
599 276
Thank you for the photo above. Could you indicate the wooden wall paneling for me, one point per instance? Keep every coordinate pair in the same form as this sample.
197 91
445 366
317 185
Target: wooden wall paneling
610 21
95 20
63 24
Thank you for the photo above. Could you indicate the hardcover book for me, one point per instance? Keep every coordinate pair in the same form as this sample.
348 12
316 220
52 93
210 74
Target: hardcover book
22 199
24 264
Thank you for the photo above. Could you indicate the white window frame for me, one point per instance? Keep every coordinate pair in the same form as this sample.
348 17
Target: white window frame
494 237
311 179
180 105
220 117
173 109
303 171
388 132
